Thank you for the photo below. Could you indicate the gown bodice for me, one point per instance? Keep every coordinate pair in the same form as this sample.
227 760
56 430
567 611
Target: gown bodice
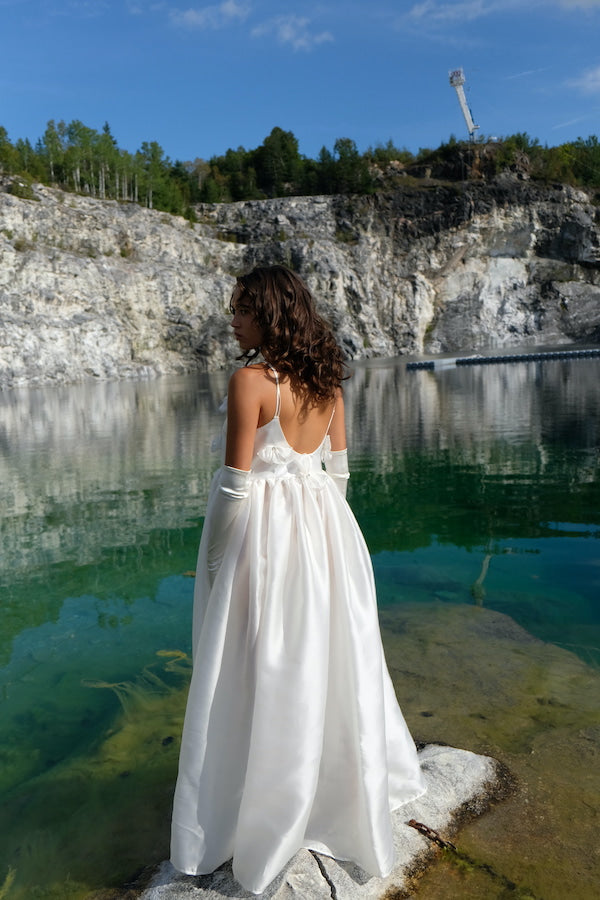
275 457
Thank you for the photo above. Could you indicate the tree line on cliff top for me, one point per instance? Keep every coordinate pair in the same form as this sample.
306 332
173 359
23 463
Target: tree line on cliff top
76 158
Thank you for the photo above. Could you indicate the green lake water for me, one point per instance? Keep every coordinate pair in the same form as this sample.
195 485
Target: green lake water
478 490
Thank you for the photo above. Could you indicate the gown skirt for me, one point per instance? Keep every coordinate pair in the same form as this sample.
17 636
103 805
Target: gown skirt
293 736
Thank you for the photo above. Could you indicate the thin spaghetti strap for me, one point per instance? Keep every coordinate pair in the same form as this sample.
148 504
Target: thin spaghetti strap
278 403
330 420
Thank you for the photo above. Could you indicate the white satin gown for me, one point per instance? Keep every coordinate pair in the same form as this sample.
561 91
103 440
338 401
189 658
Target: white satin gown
293 736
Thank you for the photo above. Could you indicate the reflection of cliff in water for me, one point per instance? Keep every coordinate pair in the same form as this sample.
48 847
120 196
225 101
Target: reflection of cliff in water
89 467
473 408
92 466
467 456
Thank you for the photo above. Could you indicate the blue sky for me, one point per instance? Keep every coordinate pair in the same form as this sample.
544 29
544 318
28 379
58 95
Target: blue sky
202 77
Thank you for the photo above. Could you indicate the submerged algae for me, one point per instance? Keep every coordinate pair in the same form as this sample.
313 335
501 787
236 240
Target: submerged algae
473 678
465 676
99 819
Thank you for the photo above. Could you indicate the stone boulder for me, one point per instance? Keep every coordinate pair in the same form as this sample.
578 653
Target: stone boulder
460 784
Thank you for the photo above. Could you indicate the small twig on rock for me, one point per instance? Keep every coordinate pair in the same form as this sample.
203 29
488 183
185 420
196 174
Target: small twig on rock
457 856
430 834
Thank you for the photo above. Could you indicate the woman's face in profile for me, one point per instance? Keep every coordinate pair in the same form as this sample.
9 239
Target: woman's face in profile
246 330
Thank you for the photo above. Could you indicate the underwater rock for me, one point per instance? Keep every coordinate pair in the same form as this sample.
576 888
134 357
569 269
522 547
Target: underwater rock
460 784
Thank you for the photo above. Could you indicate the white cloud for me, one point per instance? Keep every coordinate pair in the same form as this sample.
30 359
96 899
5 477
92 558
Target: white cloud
569 122
588 81
140 7
580 4
215 16
433 12
527 72
292 30
79 8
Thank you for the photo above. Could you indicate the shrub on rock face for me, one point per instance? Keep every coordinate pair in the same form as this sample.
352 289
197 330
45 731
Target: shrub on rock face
22 187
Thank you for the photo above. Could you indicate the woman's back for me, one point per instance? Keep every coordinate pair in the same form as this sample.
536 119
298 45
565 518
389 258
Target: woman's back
304 421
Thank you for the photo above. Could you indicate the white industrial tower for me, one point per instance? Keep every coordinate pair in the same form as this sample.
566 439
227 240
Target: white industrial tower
457 79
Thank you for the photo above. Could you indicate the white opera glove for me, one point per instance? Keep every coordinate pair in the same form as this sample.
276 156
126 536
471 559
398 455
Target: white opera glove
336 466
225 506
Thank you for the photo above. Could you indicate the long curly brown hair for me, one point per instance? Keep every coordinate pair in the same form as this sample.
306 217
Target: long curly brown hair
296 340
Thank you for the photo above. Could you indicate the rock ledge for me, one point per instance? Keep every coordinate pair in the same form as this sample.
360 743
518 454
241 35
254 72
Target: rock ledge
459 783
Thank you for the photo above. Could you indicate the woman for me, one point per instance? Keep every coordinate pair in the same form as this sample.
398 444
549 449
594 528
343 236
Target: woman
293 737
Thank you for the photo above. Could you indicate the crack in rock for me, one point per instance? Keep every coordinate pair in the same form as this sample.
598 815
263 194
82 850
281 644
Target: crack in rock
323 871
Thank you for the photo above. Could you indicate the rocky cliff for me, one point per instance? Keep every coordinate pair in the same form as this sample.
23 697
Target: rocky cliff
93 288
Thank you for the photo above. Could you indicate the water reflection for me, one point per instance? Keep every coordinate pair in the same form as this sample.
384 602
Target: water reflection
474 487
90 466
94 478
473 408
96 465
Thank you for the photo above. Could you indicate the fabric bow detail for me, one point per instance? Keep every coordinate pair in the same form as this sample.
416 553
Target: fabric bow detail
218 441
326 452
302 465
298 464
275 454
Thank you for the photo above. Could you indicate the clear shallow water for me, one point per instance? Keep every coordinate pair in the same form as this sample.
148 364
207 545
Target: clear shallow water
483 486
474 487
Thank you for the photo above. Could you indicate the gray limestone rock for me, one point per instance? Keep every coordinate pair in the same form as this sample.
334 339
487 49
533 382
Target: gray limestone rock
104 290
458 782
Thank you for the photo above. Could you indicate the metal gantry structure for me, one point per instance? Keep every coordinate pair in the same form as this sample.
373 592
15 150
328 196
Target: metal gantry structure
457 80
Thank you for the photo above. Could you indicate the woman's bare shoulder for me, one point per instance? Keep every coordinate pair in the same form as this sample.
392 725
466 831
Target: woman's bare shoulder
249 379
245 374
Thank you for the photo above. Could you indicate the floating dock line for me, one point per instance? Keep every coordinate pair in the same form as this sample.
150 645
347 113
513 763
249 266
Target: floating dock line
421 365
517 357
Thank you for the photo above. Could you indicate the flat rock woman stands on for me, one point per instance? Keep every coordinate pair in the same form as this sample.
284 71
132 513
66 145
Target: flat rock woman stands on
293 737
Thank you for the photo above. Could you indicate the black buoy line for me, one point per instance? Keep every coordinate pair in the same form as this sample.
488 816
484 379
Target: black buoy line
509 358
